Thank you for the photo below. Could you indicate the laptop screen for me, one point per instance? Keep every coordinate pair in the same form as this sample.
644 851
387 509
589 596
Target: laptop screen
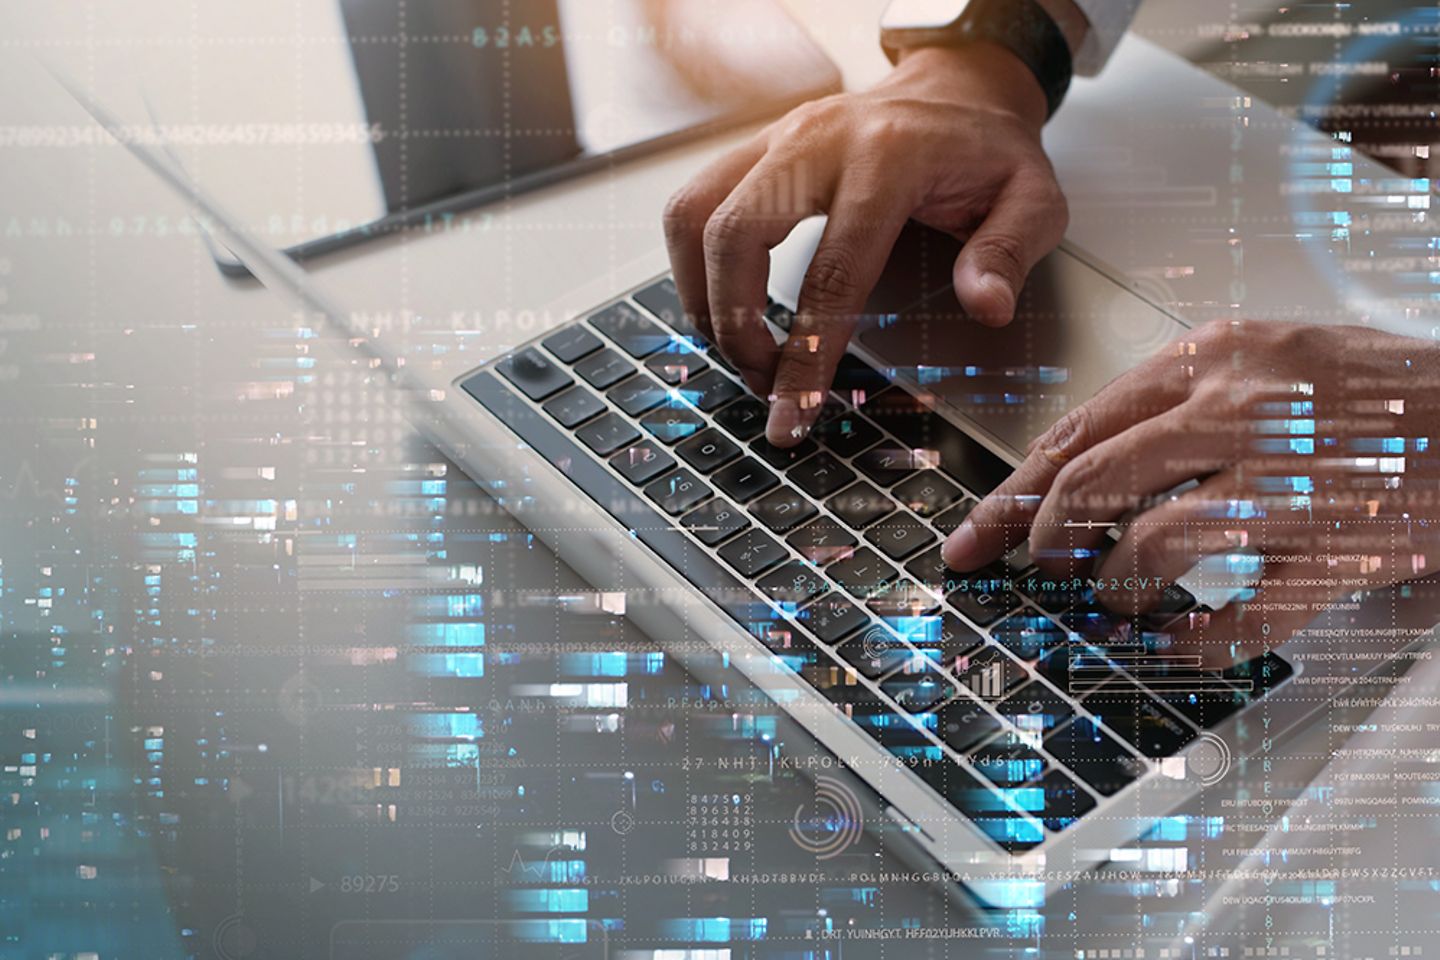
346 112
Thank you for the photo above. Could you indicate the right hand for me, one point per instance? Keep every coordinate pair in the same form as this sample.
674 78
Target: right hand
950 138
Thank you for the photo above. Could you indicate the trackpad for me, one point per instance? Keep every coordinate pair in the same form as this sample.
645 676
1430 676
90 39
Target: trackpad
1076 330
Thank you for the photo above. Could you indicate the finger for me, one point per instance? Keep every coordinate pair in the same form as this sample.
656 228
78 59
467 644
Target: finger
685 217
770 200
1288 596
1100 486
1167 541
1003 518
847 264
1027 221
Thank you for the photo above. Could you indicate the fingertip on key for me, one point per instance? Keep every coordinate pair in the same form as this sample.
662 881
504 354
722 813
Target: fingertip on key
960 548
785 427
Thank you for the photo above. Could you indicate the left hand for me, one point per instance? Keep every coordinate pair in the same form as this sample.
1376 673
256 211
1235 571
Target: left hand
1310 445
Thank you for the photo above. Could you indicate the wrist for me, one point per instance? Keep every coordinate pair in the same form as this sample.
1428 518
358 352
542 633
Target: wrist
980 73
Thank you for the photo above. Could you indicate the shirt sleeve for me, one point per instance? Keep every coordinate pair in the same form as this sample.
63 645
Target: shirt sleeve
1108 21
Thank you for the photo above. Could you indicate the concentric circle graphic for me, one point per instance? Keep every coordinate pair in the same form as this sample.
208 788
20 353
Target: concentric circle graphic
1210 759
622 822
233 940
875 642
836 825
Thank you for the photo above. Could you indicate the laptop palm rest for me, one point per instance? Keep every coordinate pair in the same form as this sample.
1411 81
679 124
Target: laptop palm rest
1075 330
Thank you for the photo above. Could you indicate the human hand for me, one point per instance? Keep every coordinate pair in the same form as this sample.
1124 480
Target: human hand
951 138
1310 446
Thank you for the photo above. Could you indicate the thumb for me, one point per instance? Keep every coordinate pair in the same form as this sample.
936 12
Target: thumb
1027 221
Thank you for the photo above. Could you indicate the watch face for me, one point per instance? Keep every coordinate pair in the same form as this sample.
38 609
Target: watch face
921 14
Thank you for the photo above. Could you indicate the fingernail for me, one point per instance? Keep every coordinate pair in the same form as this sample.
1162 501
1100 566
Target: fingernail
785 427
960 547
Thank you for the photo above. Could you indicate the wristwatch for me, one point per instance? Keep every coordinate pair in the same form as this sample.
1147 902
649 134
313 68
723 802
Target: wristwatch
1021 26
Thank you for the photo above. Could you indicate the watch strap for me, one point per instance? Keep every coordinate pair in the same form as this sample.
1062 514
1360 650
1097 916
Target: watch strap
1021 26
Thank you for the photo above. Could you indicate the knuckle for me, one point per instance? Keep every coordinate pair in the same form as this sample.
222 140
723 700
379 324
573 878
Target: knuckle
810 118
1076 481
832 280
724 232
1003 253
683 216
1067 437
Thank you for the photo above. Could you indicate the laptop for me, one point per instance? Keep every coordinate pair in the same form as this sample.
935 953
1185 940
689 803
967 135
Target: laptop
1007 726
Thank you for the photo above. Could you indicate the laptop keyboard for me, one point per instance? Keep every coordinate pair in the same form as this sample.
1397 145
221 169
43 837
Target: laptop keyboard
1019 698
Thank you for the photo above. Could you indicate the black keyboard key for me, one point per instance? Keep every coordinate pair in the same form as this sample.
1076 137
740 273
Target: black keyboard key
860 505
919 690
832 618
715 521
981 604
930 569
1138 718
903 601
1062 801
574 407
1204 708
780 315
1008 761
745 479
900 536
963 724
847 434
950 520
823 541
1093 756
636 334
1036 709
928 493
1030 636
535 374
1016 561
780 458
953 638
874 653
1174 600
604 369
744 419
863 573
710 390
989 674
708 450
608 434
673 423
678 492
642 462
821 475
782 510
752 553
637 395
676 364
795 583
708 576
663 300
916 426
887 464
572 343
